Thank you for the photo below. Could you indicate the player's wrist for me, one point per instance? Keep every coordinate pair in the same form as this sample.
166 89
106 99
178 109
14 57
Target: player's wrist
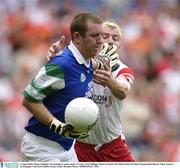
60 127
56 126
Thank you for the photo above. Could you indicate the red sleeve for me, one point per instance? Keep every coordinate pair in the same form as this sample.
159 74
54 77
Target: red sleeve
127 73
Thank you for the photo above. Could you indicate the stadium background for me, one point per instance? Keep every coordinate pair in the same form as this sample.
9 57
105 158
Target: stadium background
151 47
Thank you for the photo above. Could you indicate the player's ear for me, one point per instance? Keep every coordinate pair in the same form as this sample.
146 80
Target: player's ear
76 37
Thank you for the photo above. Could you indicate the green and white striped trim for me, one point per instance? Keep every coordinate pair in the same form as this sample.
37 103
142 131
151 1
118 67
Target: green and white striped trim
49 79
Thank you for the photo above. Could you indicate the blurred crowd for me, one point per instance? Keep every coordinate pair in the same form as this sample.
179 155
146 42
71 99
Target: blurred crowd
151 47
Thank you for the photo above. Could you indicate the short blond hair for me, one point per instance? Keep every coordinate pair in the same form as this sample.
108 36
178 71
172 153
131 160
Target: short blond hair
112 25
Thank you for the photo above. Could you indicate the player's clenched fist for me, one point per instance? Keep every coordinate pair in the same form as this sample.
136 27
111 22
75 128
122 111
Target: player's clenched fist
60 128
66 130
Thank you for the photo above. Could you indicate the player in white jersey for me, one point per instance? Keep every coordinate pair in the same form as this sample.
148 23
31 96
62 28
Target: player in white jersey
106 142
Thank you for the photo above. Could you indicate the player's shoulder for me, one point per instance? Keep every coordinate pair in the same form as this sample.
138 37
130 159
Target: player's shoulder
63 58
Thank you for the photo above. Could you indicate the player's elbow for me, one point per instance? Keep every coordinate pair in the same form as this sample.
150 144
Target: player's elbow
120 95
121 92
119 89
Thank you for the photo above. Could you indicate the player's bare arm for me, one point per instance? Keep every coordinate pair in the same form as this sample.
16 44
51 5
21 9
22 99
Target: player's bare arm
39 111
104 77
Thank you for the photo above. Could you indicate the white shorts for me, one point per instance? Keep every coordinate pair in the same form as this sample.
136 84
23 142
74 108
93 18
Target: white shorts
38 149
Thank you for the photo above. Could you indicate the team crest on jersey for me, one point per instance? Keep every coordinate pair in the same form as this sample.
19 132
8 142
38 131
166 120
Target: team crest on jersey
83 77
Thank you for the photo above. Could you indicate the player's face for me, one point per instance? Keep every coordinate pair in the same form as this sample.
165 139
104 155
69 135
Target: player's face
91 43
111 36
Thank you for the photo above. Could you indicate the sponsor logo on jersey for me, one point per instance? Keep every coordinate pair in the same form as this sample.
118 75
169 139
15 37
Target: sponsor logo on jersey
99 99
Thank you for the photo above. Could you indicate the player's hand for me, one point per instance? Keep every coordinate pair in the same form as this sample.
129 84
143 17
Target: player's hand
55 48
102 77
66 130
60 128
108 55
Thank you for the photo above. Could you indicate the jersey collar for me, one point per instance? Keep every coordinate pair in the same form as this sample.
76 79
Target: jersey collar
78 56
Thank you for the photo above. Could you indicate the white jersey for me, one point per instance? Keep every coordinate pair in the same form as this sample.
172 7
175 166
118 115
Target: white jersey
109 126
